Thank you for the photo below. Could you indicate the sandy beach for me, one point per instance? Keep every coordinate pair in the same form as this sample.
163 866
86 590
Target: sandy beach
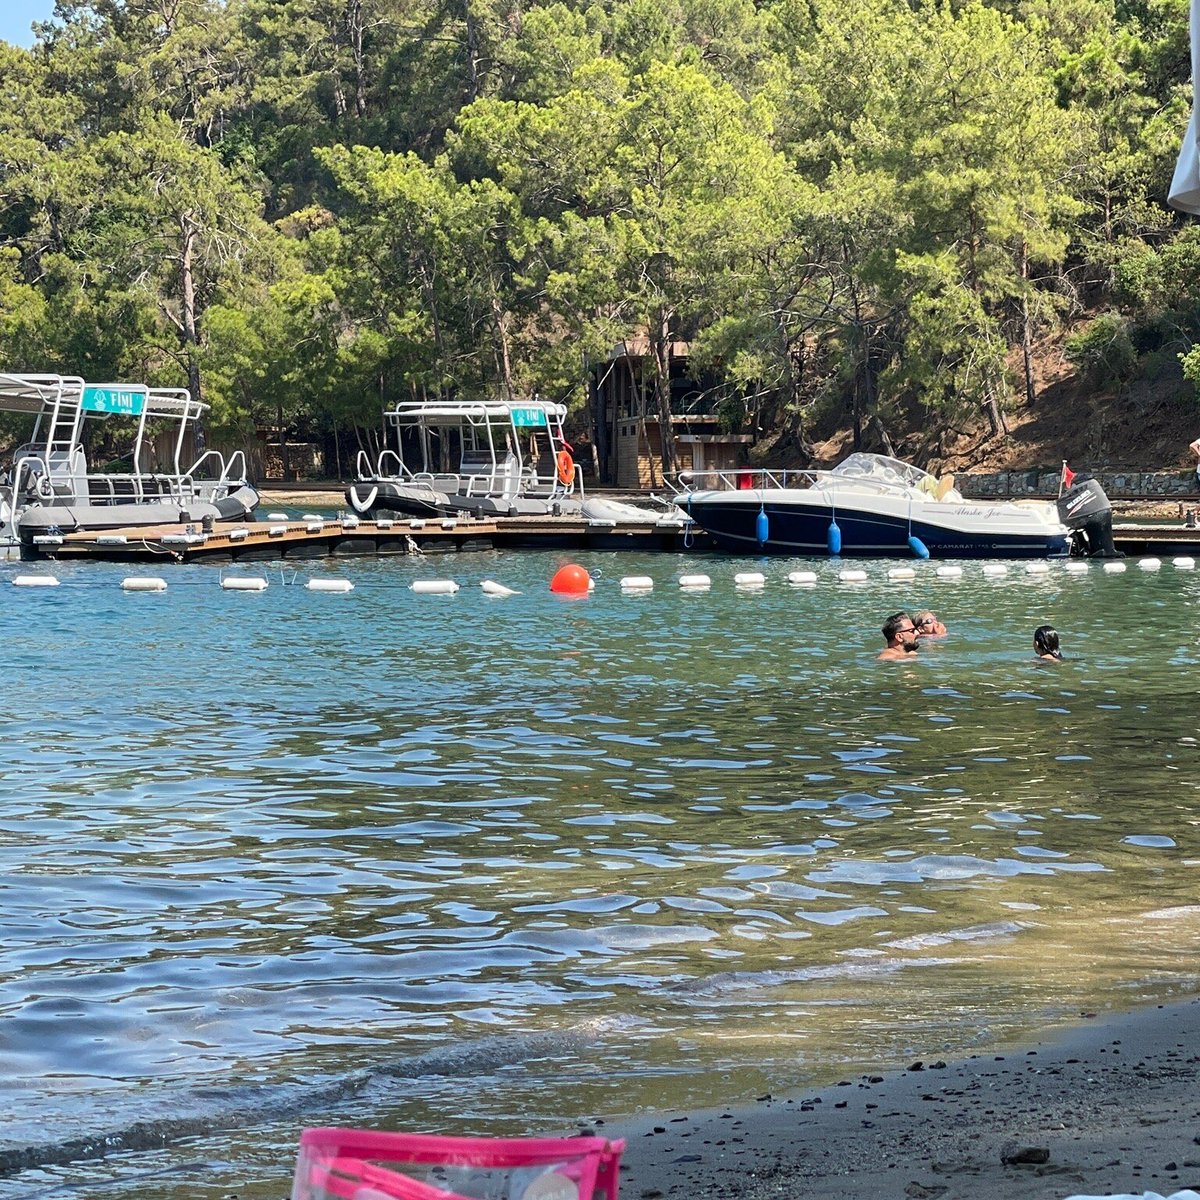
1110 1106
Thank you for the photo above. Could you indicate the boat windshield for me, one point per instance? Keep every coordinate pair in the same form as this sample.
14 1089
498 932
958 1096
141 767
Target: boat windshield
881 469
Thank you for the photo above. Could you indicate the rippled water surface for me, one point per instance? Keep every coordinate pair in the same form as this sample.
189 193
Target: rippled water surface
482 864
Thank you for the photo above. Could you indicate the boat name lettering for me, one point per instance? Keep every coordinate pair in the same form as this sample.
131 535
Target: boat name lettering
528 418
126 401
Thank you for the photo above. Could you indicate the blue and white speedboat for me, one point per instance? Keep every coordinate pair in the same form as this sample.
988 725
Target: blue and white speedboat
867 505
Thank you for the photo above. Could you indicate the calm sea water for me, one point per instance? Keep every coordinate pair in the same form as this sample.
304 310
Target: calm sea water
469 864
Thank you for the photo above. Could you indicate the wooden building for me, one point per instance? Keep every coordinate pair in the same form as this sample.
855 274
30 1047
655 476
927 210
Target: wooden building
629 434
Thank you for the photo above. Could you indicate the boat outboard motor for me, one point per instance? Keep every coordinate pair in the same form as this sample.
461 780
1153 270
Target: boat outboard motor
1087 512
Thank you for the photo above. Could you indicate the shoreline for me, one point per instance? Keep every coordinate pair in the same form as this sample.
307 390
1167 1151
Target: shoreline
1111 1104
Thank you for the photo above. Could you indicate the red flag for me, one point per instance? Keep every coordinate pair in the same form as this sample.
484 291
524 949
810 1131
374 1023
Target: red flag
1068 476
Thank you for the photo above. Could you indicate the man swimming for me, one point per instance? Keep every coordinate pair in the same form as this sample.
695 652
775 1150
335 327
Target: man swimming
901 636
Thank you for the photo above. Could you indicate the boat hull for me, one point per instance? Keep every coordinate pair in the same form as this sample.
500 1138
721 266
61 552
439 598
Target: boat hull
40 519
797 526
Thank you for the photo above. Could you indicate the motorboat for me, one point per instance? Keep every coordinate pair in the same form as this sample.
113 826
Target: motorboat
47 489
486 458
868 504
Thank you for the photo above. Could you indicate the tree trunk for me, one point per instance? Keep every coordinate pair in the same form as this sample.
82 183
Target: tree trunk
661 348
1026 326
599 431
505 362
472 54
188 316
354 27
882 433
999 426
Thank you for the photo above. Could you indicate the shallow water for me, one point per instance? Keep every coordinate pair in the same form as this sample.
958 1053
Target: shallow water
491 865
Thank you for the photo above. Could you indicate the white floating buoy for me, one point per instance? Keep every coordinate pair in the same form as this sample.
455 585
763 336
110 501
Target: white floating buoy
350 522
995 570
449 522
277 516
434 587
695 582
637 583
802 578
34 581
901 573
143 583
949 572
244 583
384 523
236 535
1077 568
416 524
314 527
852 576
750 579
1149 564
492 588
48 539
1184 563
1114 568
112 539
310 517
591 584
277 531
329 585
183 539
1037 568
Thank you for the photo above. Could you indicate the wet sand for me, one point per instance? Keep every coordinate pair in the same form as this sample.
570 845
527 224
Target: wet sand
1112 1105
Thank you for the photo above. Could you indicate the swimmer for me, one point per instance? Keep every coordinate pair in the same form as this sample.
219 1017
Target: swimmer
928 626
901 636
1045 644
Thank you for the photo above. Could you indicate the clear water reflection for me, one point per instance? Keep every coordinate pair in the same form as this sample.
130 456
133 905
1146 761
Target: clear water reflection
493 864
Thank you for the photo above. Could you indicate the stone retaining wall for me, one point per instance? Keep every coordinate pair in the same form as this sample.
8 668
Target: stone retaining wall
1116 483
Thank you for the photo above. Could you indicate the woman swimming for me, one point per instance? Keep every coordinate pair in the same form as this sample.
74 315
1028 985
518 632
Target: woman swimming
1045 644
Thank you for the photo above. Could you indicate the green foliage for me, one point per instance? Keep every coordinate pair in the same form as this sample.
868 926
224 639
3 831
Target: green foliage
1103 352
306 209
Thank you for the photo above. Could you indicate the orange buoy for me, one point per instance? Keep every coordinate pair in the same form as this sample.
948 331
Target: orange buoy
571 580
566 467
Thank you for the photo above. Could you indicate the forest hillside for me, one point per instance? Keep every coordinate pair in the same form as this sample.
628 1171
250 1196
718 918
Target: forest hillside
938 226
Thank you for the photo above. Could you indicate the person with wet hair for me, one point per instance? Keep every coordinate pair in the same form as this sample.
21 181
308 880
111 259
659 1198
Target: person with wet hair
1045 644
901 636
928 625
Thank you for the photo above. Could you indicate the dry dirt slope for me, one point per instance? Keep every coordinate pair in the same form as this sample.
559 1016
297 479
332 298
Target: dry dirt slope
1147 426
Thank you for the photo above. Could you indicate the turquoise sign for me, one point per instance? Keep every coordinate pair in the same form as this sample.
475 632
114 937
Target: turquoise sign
126 401
529 418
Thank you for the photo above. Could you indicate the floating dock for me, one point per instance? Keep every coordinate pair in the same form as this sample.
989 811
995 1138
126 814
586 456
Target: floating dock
318 537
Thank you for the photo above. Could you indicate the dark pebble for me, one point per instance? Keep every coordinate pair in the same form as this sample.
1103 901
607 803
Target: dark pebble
1026 1155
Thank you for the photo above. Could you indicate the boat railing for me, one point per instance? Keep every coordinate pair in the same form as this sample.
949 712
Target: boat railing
744 479
389 465
220 473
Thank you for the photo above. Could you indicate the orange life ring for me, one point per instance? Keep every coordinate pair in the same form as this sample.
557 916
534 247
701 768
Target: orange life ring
566 467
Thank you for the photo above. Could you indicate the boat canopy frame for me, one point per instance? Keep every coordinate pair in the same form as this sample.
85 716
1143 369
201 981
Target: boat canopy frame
491 458
54 458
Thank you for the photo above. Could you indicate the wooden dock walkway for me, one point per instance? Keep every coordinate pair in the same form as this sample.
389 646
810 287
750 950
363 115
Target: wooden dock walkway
317 538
